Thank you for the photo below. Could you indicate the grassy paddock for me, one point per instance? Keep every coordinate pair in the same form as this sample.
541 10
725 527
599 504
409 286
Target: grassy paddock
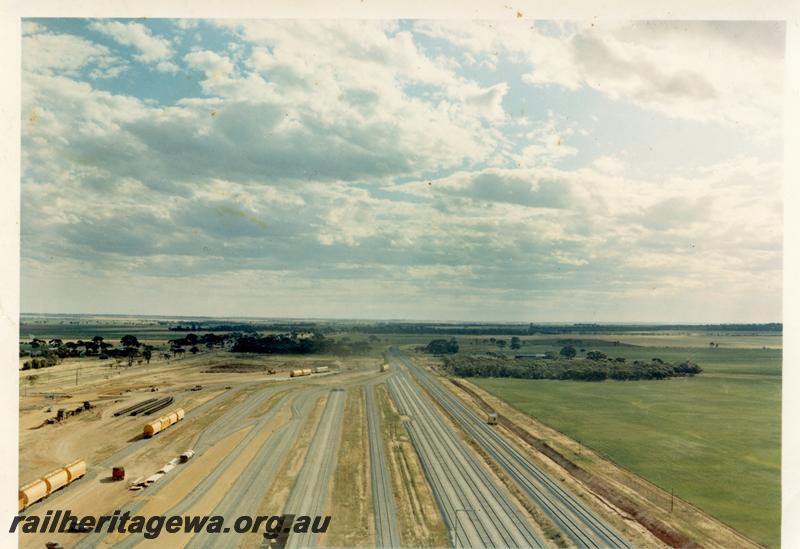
714 439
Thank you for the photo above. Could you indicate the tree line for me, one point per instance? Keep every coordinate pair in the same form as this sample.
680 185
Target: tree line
45 353
293 343
591 369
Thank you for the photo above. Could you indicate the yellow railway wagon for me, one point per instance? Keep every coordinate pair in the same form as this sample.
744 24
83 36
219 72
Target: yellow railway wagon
49 483
306 371
152 428
168 420
31 493
76 469
56 479
163 422
296 373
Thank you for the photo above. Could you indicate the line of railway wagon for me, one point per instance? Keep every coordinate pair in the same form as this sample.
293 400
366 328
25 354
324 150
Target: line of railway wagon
49 483
308 371
155 427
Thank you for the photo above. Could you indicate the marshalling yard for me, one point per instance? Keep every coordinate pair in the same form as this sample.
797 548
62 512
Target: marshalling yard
396 454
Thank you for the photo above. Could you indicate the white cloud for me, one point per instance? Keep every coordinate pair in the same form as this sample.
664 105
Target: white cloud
213 65
291 169
549 143
45 52
609 165
152 49
679 69
326 56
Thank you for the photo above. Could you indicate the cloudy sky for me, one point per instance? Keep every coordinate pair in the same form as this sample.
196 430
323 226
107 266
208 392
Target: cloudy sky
515 170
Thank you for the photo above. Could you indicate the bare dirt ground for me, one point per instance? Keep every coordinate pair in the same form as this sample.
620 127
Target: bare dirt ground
96 434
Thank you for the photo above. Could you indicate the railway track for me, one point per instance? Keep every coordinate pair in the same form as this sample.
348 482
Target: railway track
247 493
311 485
387 533
476 511
227 422
582 526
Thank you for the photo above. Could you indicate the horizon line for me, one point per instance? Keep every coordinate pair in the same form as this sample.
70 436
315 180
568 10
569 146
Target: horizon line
398 320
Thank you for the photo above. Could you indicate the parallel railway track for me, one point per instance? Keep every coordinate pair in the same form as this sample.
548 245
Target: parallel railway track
582 526
475 509
387 533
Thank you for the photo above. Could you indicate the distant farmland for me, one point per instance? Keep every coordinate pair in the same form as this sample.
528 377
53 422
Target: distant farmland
715 438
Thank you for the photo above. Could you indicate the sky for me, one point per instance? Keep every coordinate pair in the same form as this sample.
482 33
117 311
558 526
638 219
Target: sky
542 171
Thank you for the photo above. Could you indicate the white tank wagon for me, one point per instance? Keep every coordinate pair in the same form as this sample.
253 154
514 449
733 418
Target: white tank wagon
49 483
155 427
321 369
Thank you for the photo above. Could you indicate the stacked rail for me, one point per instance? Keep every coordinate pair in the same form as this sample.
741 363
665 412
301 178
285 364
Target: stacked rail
134 407
157 405
577 522
146 407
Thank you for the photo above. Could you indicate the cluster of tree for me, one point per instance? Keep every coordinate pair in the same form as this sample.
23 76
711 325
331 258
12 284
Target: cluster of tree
210 340
66 349
56 349
515 343
442 346
598 369
36 363
193 327
294 344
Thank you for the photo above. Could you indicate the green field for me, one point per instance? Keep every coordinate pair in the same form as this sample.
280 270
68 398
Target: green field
715 438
